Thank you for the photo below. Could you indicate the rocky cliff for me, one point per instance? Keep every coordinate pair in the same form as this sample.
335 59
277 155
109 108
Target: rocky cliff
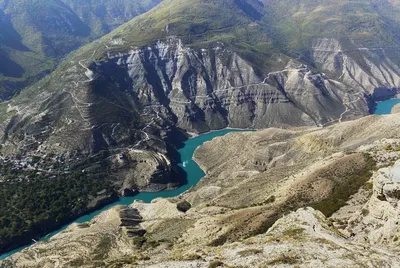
118 108
249 209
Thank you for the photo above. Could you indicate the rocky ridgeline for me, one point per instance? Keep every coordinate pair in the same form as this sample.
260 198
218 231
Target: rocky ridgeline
215 88
252 208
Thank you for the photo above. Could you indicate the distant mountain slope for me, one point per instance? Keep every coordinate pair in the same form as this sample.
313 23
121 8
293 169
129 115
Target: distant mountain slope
197 66
36 34
204 64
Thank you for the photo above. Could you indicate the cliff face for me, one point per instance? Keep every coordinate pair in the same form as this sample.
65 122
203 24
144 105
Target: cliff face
368 68
212 88
249 210
215 88
125 100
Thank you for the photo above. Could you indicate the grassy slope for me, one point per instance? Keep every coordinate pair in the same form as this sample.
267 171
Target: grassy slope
258 30
247 30
200 24
43 31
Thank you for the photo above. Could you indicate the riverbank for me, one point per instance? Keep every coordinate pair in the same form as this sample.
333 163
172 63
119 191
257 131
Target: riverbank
193 171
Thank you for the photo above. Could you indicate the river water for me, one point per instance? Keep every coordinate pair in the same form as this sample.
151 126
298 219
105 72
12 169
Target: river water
385 107
193 171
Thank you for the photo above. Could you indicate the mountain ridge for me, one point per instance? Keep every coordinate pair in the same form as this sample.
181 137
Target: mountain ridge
227 223
43 32
123 93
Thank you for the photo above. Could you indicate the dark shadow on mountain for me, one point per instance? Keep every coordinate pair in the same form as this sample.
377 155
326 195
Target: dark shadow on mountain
383 93
380 94
251 8
10 68
9 37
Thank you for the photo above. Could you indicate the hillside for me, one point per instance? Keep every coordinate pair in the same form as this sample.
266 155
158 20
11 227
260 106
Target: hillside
36 35
118 108
249 209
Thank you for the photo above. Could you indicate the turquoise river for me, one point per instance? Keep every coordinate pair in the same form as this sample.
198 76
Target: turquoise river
385 107
193 171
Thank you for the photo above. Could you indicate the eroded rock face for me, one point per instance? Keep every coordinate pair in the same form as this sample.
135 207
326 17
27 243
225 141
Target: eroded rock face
387 184
343 64
130 222
377 219
215 88
249 209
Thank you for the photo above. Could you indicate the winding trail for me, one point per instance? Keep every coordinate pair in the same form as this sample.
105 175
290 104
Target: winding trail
89 73
347 106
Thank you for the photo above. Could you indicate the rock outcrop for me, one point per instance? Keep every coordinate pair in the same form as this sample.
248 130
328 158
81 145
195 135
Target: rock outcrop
120 106
251 209
387 184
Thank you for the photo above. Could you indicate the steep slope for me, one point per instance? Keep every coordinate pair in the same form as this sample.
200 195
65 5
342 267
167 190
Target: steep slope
248 210
36 34
206 71
194 66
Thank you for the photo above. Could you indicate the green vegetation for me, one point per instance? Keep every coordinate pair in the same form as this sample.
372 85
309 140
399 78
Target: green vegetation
215 264
293 232
40 33
102 249
365 212
219 241
348 186
183 206
77 262
389 147
369 186
35 204
284 259
250 252
269 200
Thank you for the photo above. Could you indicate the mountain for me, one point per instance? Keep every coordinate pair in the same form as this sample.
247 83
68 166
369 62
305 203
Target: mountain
114 112
35 35
304 197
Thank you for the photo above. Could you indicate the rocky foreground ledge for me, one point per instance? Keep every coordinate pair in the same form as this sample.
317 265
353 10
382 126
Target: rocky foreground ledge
307 197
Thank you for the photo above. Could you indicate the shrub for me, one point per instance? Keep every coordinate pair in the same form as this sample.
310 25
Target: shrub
183 206
215 264
365 212
249 252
